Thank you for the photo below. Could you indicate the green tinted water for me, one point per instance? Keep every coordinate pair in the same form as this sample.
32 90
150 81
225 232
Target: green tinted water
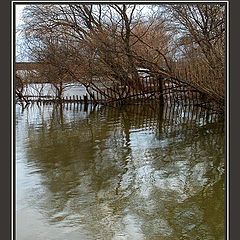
136 172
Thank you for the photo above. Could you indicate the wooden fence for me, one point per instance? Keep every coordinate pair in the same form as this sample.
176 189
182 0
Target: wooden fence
165 90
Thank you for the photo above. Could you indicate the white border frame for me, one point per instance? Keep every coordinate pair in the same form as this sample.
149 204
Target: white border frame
130 2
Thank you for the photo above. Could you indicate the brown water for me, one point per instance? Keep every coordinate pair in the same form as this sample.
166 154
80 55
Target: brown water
136 172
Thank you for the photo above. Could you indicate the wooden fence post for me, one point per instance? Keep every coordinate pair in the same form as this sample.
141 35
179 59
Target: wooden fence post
161 82
85 99
97 96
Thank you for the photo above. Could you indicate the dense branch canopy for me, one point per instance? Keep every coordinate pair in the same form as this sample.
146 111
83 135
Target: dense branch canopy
112 42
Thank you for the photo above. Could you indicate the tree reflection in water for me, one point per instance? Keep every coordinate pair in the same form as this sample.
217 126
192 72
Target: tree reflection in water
135 172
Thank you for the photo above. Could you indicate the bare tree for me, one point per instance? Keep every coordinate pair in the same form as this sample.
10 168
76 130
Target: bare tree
104 46
201 44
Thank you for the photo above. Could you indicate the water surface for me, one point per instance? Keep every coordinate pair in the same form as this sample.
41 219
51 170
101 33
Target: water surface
133 172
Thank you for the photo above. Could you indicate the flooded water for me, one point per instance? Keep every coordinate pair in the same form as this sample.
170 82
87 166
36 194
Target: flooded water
134 172
47 89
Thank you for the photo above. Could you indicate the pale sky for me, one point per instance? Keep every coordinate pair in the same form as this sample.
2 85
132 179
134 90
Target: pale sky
19 9
19 50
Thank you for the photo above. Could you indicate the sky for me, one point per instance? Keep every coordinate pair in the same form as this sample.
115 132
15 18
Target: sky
18 22
19 9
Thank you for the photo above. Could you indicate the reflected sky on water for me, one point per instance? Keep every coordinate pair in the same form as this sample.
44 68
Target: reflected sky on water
133 172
